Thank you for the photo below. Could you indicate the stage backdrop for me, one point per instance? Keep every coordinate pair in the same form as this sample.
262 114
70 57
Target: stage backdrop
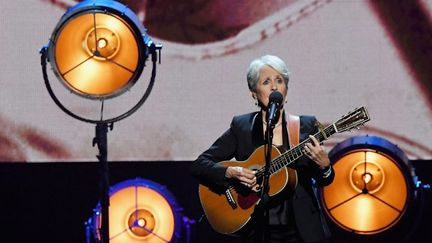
342 55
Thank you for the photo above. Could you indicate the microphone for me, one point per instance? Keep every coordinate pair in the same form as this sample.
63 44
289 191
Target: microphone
275 102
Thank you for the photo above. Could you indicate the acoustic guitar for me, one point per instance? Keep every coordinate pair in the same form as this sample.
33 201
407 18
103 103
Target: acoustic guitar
230 209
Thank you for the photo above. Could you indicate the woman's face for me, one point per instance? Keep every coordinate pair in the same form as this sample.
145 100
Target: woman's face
269 81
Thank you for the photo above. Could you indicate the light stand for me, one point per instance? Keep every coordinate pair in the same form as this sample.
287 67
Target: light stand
101 141
98 51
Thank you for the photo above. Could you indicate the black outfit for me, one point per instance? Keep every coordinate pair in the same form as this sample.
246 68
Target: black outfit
292 215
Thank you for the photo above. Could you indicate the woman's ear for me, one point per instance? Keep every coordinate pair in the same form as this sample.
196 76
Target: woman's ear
254 96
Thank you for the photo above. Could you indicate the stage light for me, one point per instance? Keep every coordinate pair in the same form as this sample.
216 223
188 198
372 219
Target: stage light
98 49
141 211
372 188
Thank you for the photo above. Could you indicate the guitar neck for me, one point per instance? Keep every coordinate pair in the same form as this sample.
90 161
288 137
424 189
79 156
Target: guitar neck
293 154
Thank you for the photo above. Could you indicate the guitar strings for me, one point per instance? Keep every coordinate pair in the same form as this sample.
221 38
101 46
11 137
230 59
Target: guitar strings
296 152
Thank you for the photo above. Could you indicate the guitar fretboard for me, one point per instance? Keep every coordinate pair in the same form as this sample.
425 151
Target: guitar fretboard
293 154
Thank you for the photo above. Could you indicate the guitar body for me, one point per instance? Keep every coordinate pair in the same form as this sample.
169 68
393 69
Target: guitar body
229 216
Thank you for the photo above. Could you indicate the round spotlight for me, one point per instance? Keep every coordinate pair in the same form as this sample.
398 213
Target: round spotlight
141 211
98 49
372 188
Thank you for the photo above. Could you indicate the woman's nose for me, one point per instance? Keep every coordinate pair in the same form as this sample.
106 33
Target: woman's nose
274 86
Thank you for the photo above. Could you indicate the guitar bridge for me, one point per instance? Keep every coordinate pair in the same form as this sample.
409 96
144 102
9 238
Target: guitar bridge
230 198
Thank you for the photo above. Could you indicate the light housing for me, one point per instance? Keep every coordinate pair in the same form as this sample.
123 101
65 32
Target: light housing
141 211
373 185
98 49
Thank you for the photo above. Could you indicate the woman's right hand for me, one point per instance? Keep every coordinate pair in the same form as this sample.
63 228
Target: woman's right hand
244 175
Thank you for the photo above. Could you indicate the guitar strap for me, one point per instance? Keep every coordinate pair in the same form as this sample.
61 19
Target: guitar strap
293 124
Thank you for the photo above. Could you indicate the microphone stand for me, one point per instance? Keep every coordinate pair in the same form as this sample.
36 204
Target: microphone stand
263 213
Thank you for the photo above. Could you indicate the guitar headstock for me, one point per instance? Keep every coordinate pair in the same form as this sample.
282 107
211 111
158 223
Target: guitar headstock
354 119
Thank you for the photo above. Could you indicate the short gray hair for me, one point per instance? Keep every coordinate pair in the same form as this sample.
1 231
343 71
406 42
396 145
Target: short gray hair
255 66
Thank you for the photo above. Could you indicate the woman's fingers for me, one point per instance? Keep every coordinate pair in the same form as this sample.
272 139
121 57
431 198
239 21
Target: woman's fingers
249 182
244 175
313 149
316 153
314 140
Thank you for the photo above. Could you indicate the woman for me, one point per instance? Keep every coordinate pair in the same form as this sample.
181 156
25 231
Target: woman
294 215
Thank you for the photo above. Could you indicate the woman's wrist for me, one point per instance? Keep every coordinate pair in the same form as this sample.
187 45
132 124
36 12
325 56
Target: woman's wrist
326 171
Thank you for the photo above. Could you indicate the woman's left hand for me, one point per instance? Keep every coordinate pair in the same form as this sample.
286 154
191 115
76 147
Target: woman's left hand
317 153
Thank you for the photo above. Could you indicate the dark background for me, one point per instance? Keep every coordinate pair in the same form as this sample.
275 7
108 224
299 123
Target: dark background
49 202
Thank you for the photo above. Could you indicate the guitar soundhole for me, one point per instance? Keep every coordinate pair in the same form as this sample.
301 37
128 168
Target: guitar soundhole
247 200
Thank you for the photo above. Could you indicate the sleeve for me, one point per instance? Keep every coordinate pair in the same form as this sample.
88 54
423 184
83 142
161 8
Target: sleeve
206 167
325 176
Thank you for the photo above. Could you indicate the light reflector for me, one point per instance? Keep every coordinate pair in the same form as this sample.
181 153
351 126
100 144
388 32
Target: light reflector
141 211
372 186
97 49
